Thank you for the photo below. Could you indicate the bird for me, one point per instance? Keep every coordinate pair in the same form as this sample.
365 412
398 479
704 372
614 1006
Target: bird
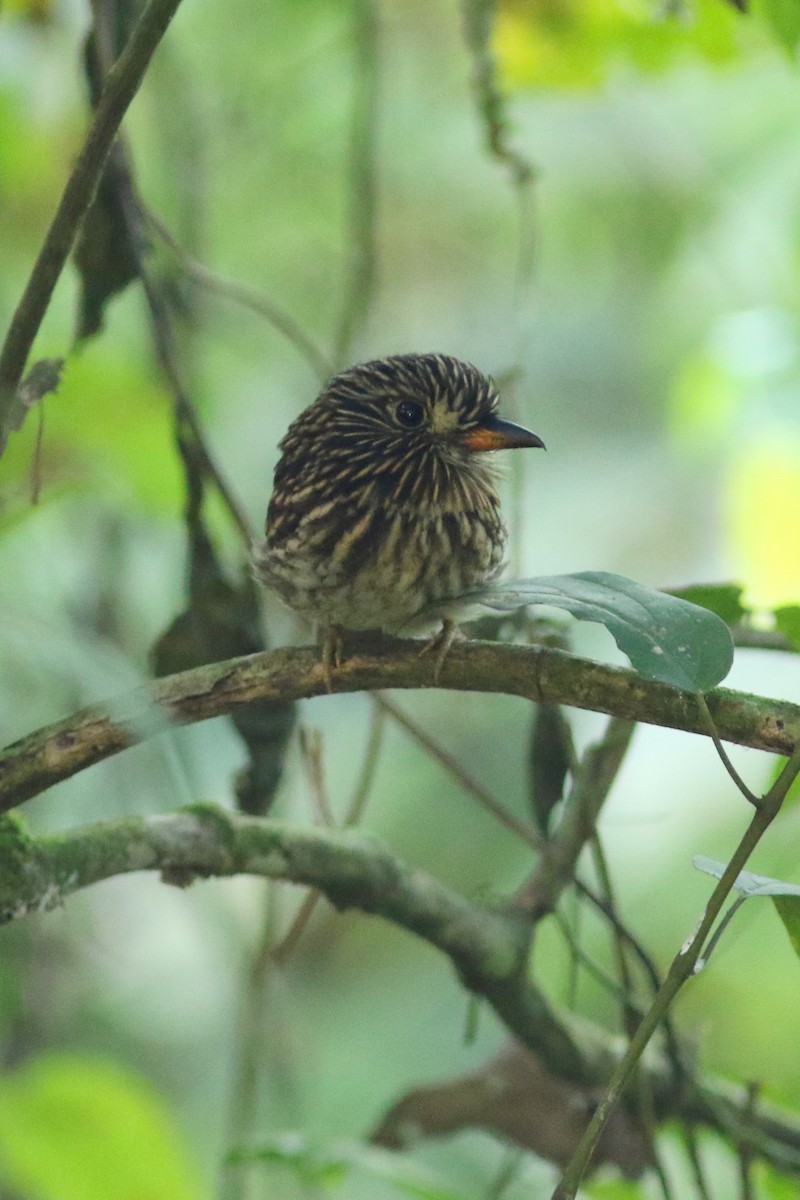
384 509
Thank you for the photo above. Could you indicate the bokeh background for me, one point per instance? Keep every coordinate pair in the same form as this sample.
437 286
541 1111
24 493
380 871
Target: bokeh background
643 315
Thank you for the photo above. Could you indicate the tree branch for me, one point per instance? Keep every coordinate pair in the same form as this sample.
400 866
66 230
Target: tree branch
537 673
121 85
487 947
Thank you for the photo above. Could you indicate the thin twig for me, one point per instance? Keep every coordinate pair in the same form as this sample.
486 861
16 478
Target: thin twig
121 85
311 751
508 1172
746 1190
523 830
185 410
246 295
695 1161
649 968
598 972
713 732
572 936
36 462
745 637
629 1014
283 951
718 932
682 968
297 927
362 181
160 321
592 780
478 16
369 765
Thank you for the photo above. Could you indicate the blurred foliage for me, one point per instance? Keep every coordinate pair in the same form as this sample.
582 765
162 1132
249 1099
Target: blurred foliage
724 599
76 1129
583 43
764 501
657 350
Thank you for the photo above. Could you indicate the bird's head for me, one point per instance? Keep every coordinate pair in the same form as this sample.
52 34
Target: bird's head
430 405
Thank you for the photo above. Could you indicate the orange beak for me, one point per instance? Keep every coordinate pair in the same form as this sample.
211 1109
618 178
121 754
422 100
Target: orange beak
495 434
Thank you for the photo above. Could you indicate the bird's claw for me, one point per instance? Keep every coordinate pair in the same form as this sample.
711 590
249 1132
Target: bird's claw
439 645
332 654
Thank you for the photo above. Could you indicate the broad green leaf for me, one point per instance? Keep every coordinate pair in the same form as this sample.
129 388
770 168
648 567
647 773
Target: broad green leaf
787 622
666 638
724 599
788 907
79 1129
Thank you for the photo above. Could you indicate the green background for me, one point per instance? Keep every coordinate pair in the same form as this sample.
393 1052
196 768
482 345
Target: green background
653 343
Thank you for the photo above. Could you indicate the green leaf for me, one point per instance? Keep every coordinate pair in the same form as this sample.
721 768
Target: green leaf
788 907
783 19
785 896
787 622
724 599
666 638
80 1129
747 883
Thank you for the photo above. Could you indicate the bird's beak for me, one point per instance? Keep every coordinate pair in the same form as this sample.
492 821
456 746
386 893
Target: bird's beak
496 434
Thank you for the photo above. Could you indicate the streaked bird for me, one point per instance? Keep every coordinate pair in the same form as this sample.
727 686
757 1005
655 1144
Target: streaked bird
384 507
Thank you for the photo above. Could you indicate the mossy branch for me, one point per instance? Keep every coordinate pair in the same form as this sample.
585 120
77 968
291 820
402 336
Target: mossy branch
536 673
486 946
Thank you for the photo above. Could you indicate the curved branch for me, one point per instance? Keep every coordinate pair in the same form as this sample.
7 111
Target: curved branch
488 948
536 673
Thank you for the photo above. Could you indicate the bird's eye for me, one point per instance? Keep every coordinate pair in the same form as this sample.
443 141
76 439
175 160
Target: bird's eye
409 413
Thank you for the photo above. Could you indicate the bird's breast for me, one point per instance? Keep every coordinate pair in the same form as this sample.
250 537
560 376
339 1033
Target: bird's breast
378 567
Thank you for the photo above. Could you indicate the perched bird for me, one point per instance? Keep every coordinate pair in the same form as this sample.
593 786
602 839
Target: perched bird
384 505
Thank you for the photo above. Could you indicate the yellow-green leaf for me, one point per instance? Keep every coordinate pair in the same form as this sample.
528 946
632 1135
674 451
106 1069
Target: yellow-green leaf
75 1128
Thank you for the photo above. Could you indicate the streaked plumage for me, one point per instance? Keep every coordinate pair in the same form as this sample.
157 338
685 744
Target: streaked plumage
383 504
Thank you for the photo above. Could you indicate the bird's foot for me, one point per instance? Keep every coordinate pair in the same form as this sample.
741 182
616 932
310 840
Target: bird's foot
332 653
439 645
